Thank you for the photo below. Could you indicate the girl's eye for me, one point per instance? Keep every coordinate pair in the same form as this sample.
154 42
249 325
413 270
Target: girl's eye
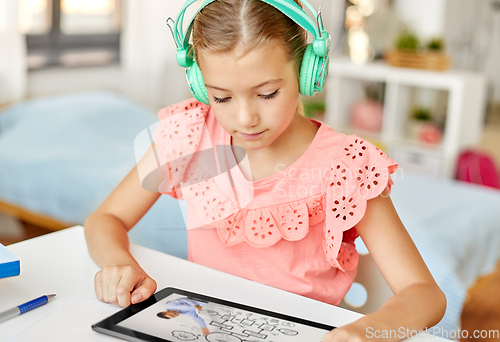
218 100
270 96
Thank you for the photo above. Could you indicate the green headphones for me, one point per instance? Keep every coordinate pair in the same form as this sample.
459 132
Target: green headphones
314 68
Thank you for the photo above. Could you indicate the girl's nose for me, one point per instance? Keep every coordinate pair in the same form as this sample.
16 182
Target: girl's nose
248 116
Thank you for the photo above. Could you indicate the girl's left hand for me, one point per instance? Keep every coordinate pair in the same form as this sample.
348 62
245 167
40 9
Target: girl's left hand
348 333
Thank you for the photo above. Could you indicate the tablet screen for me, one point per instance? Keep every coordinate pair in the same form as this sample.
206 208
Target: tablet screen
191 317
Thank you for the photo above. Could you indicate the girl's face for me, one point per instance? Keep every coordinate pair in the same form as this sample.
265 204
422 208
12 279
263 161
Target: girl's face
254 95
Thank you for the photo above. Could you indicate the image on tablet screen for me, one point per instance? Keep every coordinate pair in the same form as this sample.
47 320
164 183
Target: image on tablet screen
181 318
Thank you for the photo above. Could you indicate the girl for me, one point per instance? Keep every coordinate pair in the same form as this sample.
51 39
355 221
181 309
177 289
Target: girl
288 214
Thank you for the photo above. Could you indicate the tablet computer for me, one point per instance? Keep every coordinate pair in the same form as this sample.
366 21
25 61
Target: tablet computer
175 315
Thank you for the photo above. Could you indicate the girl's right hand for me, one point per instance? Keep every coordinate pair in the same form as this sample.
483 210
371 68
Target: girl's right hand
123 285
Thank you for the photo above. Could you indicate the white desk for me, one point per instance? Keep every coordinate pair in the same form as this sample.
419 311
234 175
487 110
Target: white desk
59 263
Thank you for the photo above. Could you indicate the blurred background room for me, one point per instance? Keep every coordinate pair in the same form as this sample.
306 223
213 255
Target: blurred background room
81 79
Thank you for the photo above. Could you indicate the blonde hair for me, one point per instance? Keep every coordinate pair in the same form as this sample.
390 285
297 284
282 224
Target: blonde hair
221 25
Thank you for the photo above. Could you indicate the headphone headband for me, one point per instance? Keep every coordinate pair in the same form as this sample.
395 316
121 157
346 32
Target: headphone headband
287 7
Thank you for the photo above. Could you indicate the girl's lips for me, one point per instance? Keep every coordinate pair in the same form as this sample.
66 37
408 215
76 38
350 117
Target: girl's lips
252 136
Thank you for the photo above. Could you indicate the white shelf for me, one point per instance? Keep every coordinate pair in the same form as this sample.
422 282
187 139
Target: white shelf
466 93
382 72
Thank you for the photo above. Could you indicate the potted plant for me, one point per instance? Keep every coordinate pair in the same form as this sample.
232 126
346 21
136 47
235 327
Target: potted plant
409 52
422 128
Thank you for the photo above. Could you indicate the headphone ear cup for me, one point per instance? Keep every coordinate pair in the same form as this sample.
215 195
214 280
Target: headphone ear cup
307 72
197 83
314 70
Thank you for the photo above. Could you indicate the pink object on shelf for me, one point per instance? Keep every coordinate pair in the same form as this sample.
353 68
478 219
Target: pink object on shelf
430 134
367 116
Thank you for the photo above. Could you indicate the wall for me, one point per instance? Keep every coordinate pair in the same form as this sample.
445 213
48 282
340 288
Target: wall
151 73
12 52
425 17
473 36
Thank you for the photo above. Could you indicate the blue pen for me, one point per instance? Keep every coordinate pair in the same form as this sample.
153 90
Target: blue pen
28 306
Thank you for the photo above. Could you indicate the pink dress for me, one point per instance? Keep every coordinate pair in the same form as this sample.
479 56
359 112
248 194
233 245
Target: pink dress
293 230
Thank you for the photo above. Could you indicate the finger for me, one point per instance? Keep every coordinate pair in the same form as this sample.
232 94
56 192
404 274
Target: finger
98 286
126 285
338 335
113 280
144 291
328 337
110 279
104 284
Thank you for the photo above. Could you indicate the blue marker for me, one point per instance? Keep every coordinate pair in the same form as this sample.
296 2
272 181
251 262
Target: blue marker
28 306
